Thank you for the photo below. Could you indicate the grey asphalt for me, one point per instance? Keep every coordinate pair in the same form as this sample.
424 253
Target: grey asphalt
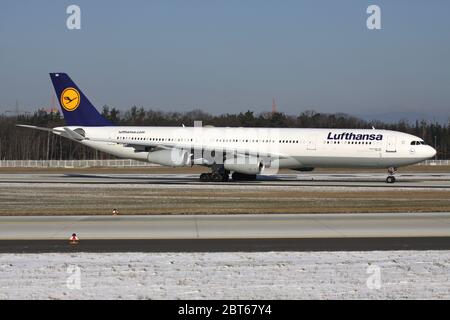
226 226
272 232
226 245
421 231
413 180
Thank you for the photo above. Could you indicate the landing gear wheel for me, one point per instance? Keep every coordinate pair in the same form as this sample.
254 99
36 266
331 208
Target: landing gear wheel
390 179
216 177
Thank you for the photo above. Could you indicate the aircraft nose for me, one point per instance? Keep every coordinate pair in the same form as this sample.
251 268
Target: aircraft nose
431 152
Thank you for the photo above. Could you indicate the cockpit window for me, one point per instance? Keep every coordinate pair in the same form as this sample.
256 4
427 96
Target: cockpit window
417 143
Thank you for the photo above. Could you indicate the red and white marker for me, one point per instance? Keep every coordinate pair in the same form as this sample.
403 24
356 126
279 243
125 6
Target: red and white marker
74 239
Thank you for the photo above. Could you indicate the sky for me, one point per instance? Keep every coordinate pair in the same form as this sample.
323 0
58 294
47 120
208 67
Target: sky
231 55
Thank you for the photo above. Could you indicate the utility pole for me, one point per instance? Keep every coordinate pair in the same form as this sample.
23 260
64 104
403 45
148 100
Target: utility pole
435 147
48 145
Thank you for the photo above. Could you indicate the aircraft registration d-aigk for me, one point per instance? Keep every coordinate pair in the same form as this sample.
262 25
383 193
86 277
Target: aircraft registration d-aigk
242 152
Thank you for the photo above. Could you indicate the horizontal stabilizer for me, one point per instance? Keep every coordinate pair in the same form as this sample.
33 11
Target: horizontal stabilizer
74 135
34 127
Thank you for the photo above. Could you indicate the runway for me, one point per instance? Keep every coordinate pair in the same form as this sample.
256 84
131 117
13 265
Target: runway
272 197
406 180
271 232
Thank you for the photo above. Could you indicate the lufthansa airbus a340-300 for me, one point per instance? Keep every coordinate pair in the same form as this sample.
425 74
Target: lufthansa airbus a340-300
242 152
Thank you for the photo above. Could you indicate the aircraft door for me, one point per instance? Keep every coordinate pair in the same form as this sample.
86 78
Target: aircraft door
391 144
311 145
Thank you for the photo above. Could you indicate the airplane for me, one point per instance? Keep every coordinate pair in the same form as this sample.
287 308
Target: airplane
242 152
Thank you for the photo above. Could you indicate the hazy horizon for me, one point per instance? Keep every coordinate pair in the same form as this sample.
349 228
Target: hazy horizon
229 56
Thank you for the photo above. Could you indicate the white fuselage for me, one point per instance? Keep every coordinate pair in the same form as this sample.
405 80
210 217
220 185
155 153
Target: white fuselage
293 148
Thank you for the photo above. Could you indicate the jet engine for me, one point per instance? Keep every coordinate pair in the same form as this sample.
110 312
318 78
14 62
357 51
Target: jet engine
170 158
246 165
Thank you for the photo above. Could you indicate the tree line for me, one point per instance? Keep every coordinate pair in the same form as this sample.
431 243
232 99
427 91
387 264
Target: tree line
25 144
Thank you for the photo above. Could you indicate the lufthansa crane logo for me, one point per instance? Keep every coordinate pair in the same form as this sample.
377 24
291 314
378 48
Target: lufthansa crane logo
70 99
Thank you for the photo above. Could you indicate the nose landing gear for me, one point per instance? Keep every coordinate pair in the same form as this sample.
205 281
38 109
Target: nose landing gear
391 178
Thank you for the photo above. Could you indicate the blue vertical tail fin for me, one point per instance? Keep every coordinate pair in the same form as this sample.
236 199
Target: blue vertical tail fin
76 108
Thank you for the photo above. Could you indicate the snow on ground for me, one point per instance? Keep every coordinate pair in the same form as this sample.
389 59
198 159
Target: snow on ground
270 275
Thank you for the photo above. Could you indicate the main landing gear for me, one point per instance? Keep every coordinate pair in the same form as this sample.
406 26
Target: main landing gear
213 177
391 178
217 174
